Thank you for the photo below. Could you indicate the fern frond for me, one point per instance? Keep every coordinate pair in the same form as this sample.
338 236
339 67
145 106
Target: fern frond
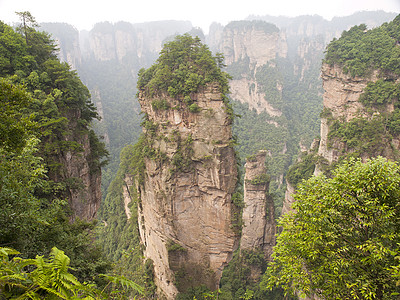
5 279
59 260
122 280
4 251
29 295
53 291
23 262
68 278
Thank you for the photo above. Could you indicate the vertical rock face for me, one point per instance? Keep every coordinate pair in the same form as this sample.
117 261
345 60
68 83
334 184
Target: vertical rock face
250 45
78 171
342 101
108 41
67 40
258 213
185 209
260 42
289 199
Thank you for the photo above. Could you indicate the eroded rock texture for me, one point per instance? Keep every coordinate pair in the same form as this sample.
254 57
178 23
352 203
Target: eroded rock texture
259 228
78 169
185 209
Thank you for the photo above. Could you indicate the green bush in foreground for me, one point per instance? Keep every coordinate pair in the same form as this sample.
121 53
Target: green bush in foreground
342 240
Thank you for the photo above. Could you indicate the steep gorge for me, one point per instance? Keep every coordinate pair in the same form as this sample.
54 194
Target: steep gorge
273 91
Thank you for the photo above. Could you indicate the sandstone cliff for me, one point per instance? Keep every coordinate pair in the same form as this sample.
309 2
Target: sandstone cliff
124 40
259 225
67 40
342 103
248 46
185 208
77 168
258 41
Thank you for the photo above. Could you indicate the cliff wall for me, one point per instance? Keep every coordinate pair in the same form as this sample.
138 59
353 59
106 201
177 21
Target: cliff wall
124 40
258 41
259 225
186 210
248 46
76 167
342 104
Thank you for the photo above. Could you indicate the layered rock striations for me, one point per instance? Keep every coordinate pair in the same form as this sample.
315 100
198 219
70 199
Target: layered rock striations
360 101
341 102
343 108
259 226
188 171
247 46
185 209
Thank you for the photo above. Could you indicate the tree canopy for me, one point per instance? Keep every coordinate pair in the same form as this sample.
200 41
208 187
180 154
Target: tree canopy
360 51
184 65
342 241
45 111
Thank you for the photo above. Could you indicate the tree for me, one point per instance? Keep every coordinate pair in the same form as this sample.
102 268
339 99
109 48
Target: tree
28 22
342 239
184 65
45 112
15 127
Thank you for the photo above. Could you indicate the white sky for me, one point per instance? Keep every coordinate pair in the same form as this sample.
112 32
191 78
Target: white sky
83 14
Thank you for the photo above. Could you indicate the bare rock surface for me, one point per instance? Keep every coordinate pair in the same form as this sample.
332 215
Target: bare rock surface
185 212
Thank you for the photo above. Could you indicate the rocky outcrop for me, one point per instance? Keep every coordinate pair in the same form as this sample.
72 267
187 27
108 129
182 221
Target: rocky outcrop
126 194
242 91
249 45
186 210
108 41
67 41
341 102
260 42
289 199
79 171
259 225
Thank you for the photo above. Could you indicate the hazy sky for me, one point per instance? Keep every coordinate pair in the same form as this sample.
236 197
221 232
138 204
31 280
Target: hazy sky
83 14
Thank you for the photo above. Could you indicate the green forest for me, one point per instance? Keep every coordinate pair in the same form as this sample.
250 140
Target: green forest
40 99
340 241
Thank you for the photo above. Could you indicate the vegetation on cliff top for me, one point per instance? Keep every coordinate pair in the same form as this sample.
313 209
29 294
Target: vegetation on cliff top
360 51
184 65
268 28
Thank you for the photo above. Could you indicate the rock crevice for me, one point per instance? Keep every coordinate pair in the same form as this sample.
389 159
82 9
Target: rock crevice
186 210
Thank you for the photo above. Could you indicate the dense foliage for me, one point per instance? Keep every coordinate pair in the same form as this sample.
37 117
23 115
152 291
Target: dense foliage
184 66
361 136
360 51
303 169
342 240
42 278
45 112
380 93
